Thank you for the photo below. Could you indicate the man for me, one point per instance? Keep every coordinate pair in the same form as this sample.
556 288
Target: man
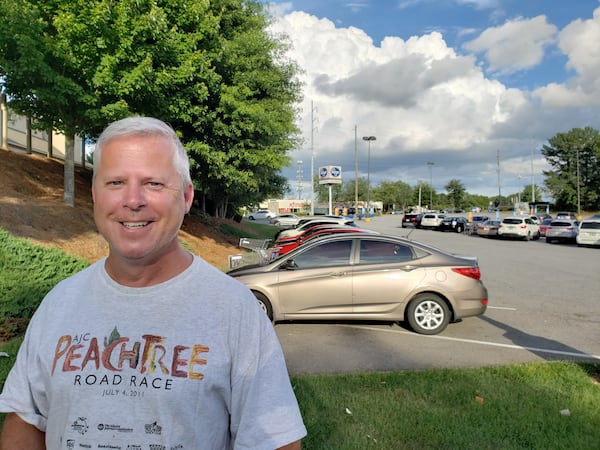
150 347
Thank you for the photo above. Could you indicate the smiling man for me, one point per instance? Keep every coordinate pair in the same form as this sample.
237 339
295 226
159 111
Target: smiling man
150 347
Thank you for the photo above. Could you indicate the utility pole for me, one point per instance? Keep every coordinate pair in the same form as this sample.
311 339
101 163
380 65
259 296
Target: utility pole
312 159
355 170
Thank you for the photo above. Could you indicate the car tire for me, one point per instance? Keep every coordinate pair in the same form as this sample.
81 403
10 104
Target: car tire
251 217
528 237
264 304
459 229
428 314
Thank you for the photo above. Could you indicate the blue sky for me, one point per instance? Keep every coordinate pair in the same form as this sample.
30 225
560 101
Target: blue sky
454 82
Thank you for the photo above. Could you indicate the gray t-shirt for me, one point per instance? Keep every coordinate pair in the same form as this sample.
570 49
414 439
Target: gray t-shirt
192 363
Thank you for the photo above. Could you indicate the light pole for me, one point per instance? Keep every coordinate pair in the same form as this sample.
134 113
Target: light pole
578 184
430 164
532 182
369 139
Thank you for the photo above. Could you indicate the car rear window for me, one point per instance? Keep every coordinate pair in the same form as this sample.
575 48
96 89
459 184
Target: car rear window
590 225
560 223
513 221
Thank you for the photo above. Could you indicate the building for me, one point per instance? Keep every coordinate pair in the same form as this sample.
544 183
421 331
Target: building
17 134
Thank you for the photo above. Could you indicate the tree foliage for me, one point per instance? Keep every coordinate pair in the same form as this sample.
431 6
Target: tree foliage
456 192
209 68
574 177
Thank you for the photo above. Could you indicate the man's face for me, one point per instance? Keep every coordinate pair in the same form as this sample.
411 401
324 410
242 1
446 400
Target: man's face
139 200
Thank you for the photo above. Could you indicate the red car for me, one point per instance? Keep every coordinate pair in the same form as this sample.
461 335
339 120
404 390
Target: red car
287 244
544 226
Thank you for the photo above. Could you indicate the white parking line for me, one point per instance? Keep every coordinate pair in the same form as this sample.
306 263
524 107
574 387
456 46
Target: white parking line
491 344
501 307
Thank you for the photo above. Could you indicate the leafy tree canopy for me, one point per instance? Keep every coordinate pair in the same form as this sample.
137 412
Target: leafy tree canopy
574 177
209 68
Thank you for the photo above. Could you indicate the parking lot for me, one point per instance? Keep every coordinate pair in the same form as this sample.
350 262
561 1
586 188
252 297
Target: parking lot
544 304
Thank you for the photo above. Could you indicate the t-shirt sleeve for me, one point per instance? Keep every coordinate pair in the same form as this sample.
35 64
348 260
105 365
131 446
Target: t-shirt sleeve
22 393
264 412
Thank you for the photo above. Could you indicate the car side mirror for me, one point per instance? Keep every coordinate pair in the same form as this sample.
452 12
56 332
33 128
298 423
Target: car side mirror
288 265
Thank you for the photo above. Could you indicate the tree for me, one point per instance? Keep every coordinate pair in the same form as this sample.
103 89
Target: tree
526 194
574 179
393 193
456 192
210 69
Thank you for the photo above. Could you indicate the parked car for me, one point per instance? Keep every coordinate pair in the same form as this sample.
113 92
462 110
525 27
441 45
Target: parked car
589 232
396 211
544 226
544 216
324 220
285 220
562 230
411 219
454 223
476 220
363 276
432 220
261 214
287 244
566 215
489 228
518 227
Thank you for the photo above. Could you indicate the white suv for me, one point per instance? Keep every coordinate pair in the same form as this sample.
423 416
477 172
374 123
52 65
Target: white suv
432 220
519 227
261 214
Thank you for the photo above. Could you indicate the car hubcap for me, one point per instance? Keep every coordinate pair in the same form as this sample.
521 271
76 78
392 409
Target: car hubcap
429 315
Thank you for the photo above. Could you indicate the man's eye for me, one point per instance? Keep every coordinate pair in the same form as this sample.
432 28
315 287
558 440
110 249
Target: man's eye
154 184
115 183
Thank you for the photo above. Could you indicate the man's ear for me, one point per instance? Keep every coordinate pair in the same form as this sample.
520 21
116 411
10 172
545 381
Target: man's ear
188 195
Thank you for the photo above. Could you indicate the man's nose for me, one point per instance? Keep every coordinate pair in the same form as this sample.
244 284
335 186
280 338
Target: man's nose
135 197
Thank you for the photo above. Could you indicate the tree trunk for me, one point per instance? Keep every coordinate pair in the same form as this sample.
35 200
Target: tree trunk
69 176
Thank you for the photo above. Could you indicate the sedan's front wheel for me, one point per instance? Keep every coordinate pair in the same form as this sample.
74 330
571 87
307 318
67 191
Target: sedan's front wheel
264 304
428 314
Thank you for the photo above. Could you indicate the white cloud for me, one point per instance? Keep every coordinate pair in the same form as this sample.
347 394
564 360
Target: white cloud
425 102
516 45
579 41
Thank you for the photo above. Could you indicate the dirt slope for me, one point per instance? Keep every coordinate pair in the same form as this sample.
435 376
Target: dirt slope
31 206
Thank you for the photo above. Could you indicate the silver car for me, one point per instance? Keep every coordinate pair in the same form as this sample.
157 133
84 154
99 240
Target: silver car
562 230
369 277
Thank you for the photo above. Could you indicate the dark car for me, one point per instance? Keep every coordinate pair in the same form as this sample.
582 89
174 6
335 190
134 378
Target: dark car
411 219
454 223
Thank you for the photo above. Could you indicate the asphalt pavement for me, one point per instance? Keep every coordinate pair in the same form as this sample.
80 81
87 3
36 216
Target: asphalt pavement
544 304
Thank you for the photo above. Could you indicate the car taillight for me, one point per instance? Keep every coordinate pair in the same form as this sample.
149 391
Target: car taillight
471 272
523 226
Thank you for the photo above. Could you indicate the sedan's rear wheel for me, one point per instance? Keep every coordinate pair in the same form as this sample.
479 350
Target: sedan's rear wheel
428 314
264 304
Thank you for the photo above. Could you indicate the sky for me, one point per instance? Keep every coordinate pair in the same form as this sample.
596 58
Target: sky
450 89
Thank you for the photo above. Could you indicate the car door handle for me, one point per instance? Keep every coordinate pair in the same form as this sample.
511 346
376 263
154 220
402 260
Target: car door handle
339 274
409 268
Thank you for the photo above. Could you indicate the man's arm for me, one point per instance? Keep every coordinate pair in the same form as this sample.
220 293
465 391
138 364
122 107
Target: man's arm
293 446
19 435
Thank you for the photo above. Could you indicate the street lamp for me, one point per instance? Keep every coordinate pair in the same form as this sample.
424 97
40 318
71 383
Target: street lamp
369 139
578 185
430 164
